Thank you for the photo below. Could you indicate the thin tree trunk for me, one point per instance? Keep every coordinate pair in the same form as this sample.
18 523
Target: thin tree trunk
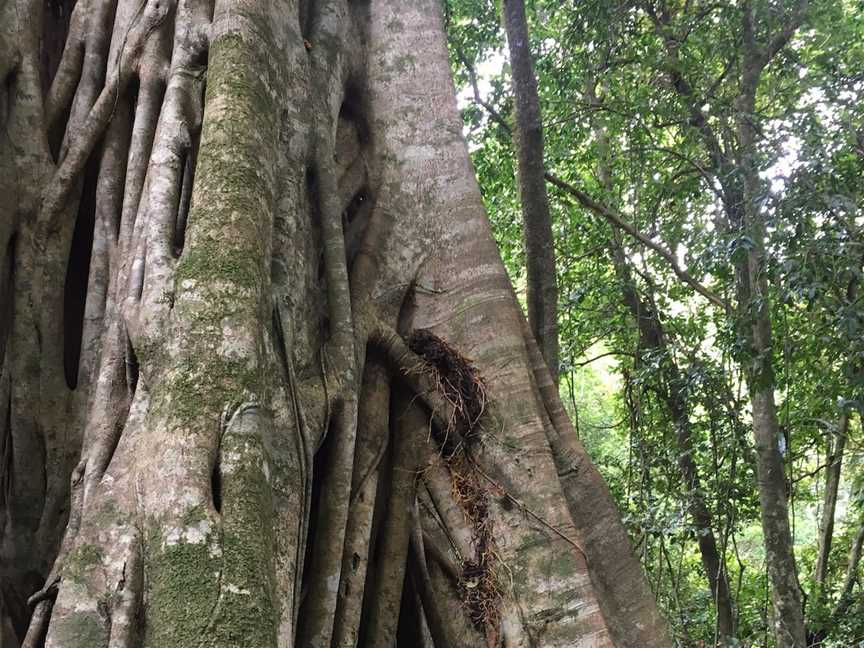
542 282
836 448
652 337
845 599
754 317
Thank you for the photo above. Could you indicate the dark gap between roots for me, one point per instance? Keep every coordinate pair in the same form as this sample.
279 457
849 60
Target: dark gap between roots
201 56
190 158
131 96
7 455
132 368
319 472
317 236
57 130
179 234
305 17
7 283
355 220
408 630
6 95
78 272
216 484
353 141
55 31
352 111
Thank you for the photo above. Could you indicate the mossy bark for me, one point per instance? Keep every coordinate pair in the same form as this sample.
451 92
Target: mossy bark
263 194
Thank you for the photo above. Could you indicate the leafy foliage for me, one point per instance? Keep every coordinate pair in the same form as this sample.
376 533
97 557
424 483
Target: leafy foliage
619 126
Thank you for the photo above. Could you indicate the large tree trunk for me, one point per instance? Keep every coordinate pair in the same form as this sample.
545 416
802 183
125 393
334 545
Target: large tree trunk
219 223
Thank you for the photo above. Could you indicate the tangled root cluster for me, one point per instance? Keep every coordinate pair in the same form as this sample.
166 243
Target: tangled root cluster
478 583
456 379
459 382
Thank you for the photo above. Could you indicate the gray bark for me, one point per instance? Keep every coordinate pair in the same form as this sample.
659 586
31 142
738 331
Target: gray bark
754 316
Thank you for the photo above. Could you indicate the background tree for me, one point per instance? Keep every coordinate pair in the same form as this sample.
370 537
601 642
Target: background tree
541 294
667 199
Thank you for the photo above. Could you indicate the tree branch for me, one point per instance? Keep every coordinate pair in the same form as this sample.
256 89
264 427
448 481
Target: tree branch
603 355
780 40
478 99
618 221
684 90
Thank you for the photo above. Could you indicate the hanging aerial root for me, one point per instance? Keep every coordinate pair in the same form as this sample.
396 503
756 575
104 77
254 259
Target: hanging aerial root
419 572
38 625
478 584
457 383
85 139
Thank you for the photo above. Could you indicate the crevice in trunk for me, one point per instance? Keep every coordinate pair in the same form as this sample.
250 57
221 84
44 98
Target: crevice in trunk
6 99
77 272
55 29
132 92
190 158
352 111
317 236
7 454
216 484
306 15
132 368
56 131
352 154
408 631
355 220
319 471
7 281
